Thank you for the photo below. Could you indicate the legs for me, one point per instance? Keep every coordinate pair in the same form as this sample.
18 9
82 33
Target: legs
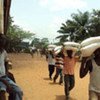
69 84
94 96
16 93
51 70
2 95
58 72
72 82
66 81
56 75
61 77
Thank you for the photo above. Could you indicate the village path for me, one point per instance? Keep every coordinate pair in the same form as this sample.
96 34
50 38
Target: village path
32 76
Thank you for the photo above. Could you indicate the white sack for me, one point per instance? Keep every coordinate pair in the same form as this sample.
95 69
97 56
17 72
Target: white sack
72 44
51 46
71 48
88 50
50 49
57 49
90 40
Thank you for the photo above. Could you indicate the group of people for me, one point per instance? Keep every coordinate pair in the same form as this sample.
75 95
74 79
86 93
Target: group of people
65 63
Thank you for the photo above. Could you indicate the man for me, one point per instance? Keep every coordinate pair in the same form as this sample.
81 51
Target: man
92 65
6 84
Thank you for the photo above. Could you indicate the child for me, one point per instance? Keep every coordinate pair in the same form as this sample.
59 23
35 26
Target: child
68 70
6 84
51 63
93 67
59 66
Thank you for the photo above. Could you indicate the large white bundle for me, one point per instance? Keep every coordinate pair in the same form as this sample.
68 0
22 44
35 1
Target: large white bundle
88 50
90 40
57 49
51 47
71 44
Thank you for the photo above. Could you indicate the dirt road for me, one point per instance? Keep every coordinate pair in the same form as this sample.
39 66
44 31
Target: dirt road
32 76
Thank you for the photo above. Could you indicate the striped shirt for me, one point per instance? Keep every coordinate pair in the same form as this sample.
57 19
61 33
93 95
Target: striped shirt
59 62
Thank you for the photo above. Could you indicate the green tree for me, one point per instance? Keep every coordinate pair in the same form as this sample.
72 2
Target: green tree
16 34
94 26
75 29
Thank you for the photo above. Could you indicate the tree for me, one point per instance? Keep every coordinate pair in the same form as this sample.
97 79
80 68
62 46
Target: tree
16 34
75 29
40 43
94 26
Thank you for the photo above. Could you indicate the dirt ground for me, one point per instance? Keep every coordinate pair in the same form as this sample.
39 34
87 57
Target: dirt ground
32 76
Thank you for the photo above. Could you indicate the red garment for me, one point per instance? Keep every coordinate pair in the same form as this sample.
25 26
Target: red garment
69 65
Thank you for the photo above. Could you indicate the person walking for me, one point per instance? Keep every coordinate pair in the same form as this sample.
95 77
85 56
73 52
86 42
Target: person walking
51 63
68 71
59 66
92 65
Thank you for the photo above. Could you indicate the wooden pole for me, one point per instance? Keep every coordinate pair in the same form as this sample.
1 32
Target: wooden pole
1 16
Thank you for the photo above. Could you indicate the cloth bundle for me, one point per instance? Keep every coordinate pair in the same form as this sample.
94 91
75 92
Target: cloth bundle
89 45
51 47
57 49
71 46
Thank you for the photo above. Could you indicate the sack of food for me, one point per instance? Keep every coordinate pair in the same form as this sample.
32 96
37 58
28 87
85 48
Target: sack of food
88 50
90 40
71 44
51 47
57 49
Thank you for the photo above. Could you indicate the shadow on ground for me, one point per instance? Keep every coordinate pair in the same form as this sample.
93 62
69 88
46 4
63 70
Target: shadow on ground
62 97
52 83
46 78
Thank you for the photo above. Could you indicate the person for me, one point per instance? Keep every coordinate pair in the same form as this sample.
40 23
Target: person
59 66
32 51
51 63
6 84
68 71
92 65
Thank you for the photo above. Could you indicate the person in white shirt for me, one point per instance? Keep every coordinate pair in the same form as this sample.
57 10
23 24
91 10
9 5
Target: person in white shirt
51 63
6 84
92 65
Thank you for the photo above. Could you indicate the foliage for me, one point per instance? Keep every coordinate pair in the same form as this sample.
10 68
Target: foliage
40 43
80 27
16 34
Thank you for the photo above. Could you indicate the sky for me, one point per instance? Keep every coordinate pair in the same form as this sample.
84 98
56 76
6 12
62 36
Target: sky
44 17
